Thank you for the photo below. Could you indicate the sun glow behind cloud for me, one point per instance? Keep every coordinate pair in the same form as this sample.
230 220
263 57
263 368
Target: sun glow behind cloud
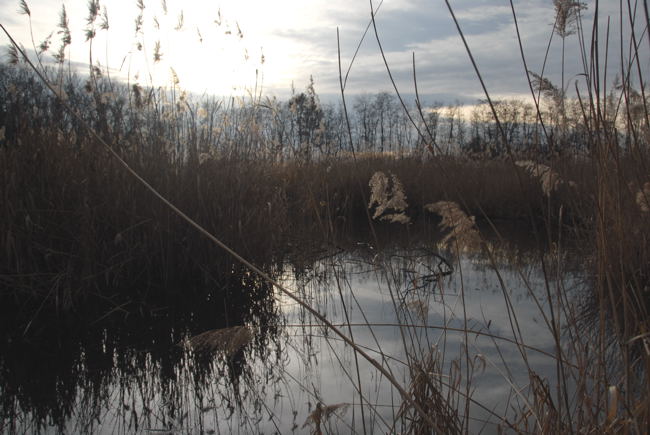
209 53
223 48
217 50
202 47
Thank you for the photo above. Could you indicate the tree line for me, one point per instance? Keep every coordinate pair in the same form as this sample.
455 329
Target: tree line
302 127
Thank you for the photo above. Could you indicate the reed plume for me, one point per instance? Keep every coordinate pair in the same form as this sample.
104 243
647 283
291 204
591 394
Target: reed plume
549 179
389 197
461 227
643 198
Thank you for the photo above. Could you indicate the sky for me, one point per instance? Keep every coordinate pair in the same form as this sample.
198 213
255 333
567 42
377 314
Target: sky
233 47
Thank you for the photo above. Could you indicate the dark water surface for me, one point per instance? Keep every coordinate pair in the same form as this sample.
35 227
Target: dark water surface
264 363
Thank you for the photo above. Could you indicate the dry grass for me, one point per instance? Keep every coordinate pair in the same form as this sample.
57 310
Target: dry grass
642 198
461 229
229 341
549 179
428 392
321 414
387 194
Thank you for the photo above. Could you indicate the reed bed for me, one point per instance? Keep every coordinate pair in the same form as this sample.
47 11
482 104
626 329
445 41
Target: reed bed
73 221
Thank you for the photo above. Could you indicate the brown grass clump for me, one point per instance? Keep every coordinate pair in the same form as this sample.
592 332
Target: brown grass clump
230 341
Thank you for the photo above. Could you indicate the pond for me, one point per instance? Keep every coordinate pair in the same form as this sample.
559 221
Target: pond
447 328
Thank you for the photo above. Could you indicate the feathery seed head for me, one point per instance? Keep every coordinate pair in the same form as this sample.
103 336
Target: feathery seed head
462 228
389 197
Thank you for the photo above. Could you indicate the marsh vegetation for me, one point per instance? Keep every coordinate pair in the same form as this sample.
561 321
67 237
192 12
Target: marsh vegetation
387 246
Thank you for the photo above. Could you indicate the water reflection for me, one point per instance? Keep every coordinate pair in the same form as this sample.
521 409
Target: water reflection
407 308
418 290
132 370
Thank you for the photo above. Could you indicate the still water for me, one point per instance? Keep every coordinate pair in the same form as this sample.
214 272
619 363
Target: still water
263 364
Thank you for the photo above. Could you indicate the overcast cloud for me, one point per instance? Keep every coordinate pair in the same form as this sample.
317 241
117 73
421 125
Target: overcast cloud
298 39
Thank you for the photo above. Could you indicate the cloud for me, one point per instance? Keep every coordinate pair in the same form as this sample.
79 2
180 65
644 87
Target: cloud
442 64
299 40
483 14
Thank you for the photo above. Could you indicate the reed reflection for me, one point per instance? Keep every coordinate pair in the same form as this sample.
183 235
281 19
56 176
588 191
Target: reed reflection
174 362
